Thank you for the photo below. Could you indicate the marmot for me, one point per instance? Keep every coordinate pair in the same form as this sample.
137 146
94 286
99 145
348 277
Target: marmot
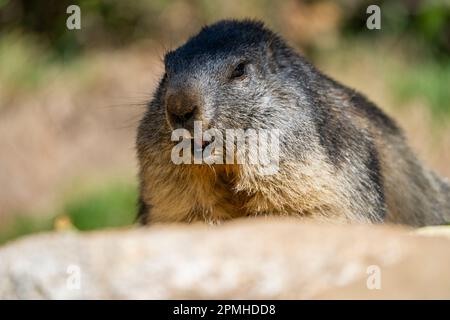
341 159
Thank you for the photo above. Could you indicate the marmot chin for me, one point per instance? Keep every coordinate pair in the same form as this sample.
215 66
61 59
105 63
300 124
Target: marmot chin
341 159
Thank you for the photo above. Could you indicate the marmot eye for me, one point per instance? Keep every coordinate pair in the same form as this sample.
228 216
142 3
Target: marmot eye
239 71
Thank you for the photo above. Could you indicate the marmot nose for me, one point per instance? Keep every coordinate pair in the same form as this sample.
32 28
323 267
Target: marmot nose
182 110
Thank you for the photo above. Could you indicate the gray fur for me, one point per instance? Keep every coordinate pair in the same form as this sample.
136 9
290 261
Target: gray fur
342 158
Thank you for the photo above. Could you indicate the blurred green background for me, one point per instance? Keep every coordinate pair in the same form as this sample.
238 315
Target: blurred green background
70 99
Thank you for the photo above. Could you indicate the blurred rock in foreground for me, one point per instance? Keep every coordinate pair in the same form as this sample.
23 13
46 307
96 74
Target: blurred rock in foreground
253 259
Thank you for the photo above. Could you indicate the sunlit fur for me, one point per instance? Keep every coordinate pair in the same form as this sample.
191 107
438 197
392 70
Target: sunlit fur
342 159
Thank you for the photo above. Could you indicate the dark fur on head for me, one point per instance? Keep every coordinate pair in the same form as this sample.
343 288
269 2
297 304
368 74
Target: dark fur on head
341 158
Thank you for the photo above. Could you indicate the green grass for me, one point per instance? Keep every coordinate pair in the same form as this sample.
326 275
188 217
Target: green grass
26 67
23 225
106 206
429 82
113 206
23 62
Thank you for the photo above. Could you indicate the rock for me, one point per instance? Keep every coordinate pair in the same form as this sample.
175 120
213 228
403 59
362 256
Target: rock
432 231
244 259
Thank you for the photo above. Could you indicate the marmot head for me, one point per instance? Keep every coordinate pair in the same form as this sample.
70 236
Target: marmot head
232 74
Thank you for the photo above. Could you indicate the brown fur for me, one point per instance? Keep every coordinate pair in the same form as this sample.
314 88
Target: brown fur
342 159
